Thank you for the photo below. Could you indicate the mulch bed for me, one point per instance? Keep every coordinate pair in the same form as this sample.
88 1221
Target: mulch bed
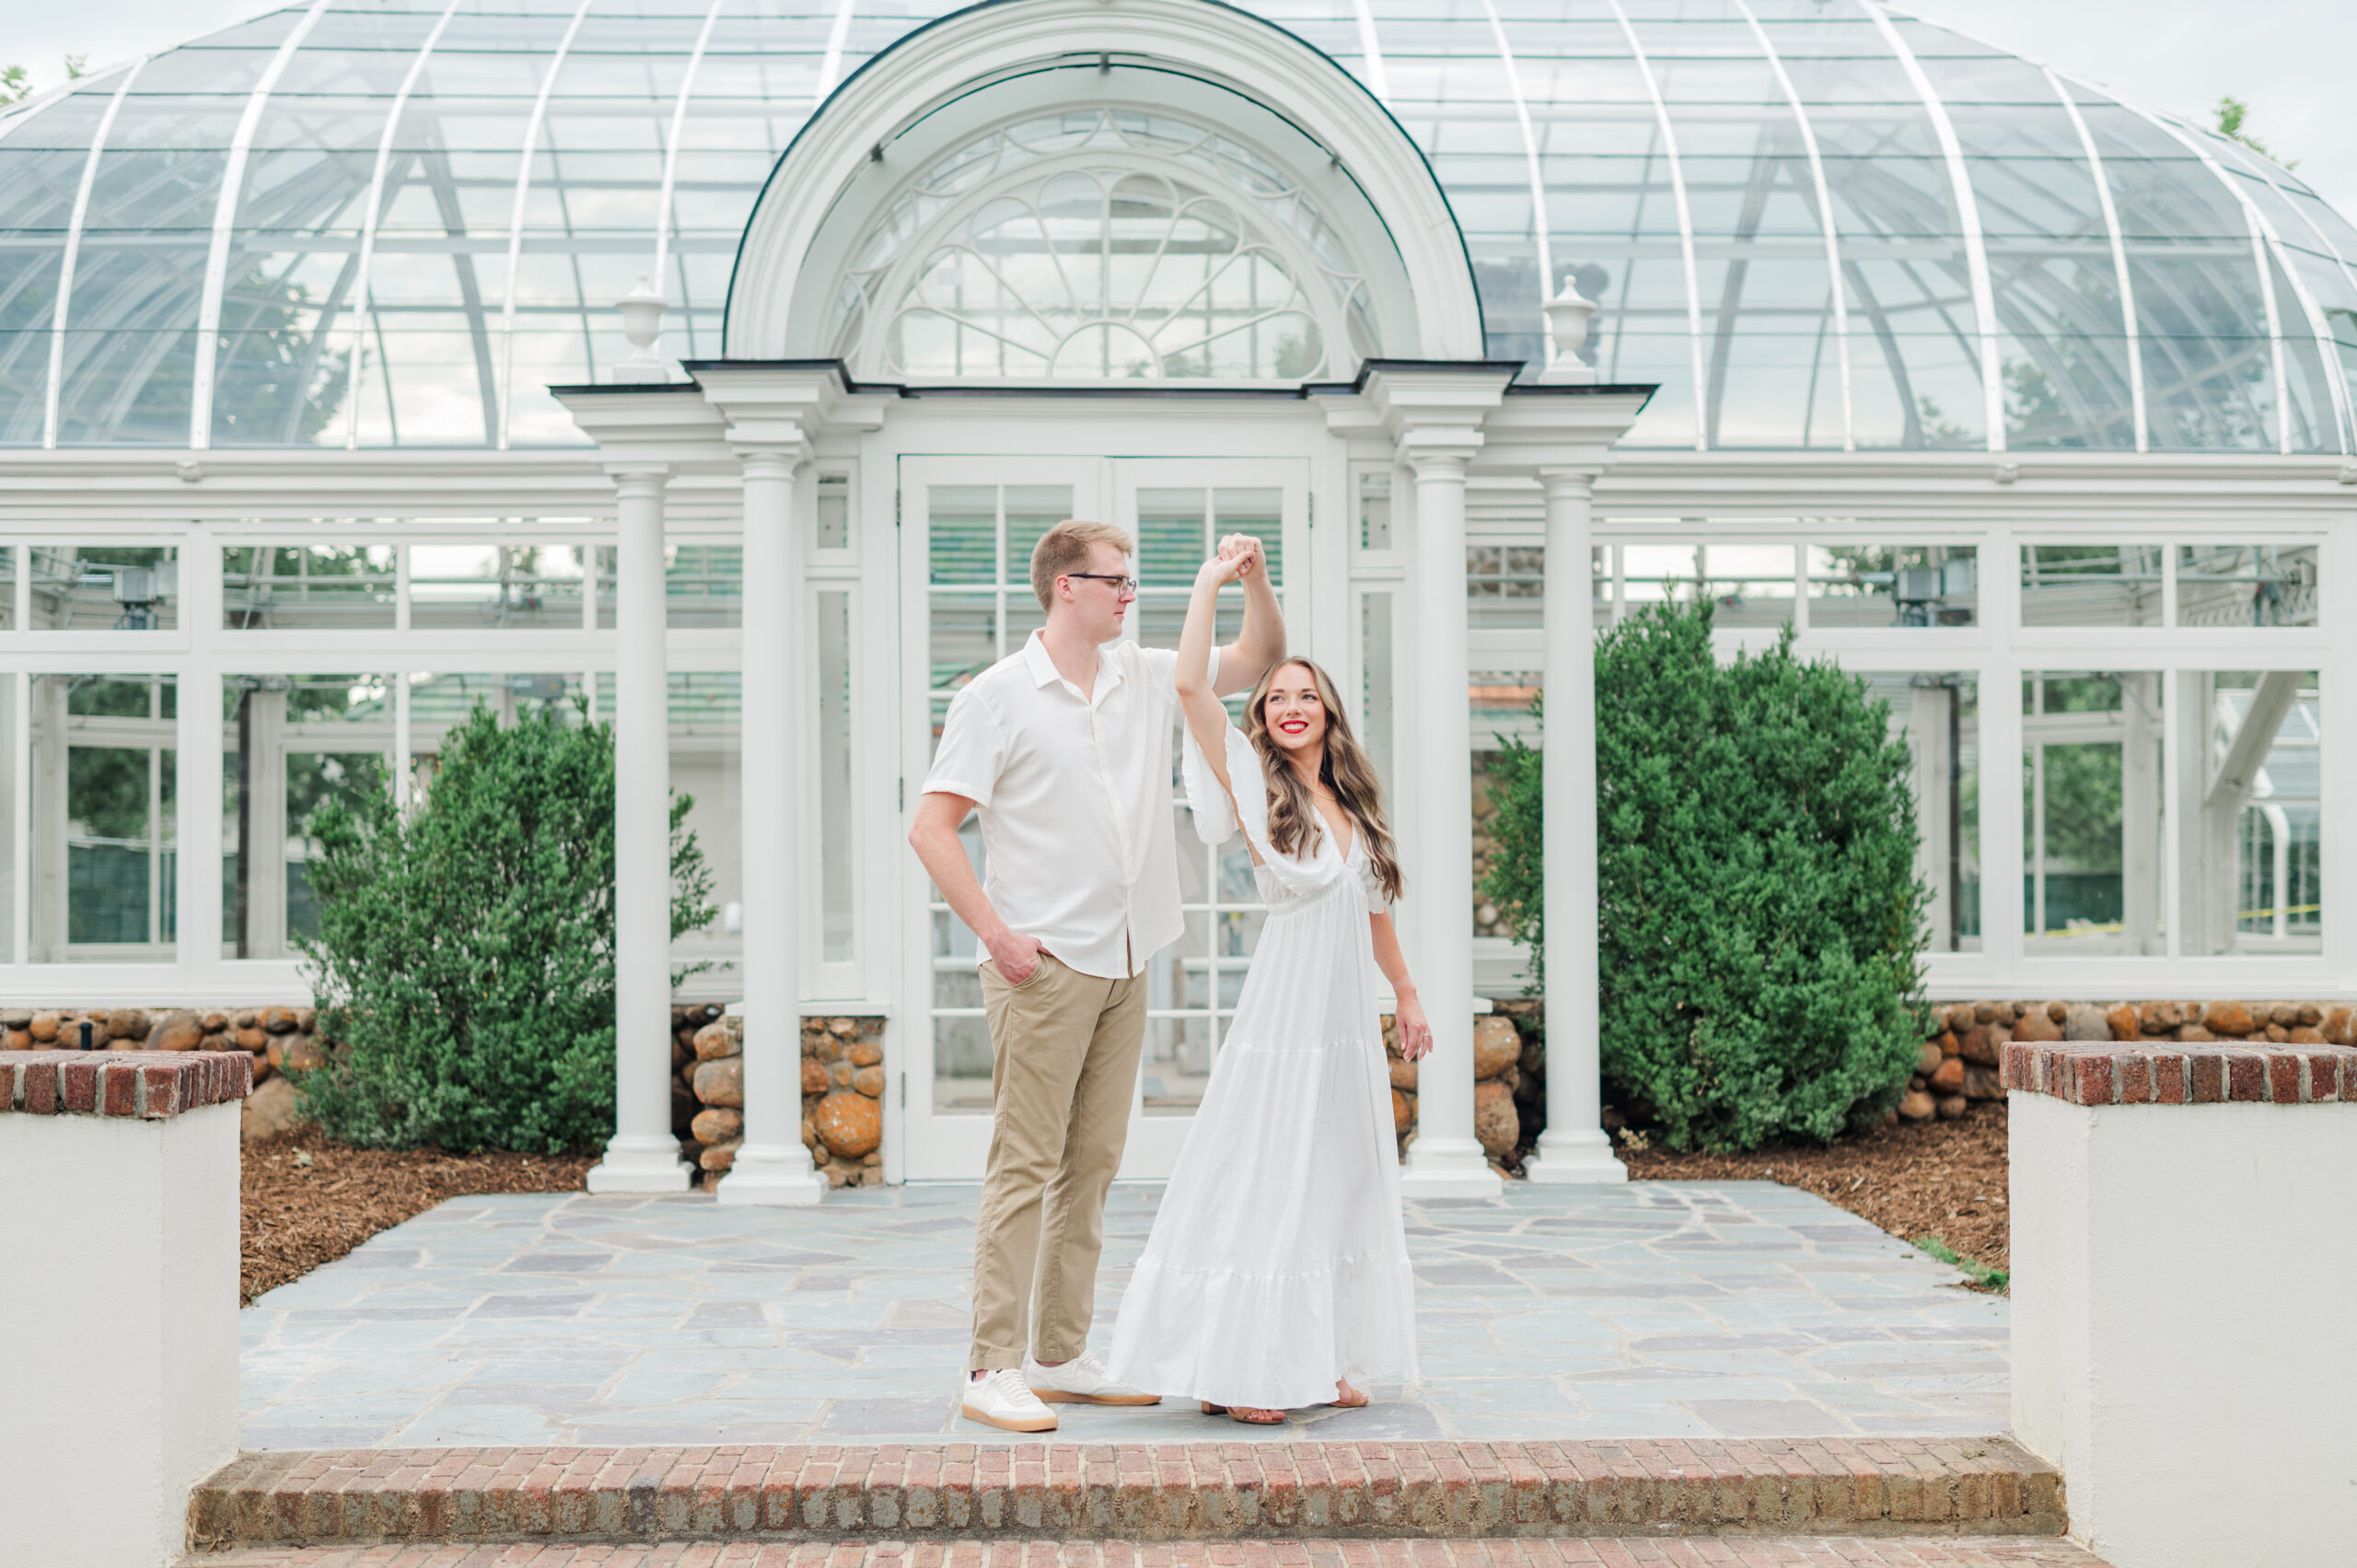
1942 1179
299 1215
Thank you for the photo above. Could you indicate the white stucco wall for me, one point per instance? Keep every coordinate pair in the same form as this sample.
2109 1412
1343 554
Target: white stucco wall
118 1304
2182 1282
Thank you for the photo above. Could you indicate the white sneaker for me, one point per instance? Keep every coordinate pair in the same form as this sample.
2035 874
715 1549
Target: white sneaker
998 1399
1083 1381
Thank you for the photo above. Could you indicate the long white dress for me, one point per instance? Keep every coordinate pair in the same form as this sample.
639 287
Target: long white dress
1278 1260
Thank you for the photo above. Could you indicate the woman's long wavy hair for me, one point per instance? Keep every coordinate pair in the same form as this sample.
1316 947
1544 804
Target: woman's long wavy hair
1295 826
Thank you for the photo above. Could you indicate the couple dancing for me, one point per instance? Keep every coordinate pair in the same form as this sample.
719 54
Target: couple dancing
1277 1272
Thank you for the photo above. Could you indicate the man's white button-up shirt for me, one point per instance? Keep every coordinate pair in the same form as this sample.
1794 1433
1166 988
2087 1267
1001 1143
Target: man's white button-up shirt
1075 797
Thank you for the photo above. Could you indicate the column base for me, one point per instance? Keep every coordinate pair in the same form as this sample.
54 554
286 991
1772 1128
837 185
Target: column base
1566 1158
636 1162
778 1177
1449 1168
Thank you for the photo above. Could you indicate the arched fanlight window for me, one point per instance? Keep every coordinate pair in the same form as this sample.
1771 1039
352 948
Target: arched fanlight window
1099 244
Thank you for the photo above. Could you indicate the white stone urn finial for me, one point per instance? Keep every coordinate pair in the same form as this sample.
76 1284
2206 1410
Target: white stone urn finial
641 310
1567 320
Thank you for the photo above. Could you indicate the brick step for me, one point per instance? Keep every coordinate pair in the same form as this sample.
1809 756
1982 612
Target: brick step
1196 1491
1615 1551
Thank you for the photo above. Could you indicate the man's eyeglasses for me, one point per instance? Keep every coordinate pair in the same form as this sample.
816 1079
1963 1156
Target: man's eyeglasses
1121 585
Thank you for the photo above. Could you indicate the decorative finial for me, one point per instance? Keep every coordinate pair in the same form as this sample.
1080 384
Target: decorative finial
642 310
1567 320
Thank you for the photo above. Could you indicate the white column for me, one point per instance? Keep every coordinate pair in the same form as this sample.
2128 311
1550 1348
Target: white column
643 1155
772 1166
1446 1160
197 731
1574 1147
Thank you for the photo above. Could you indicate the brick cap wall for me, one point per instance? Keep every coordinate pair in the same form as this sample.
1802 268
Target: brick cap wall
2168 1072
139 1085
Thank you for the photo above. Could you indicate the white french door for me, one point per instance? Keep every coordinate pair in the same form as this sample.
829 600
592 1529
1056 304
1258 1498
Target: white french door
968 526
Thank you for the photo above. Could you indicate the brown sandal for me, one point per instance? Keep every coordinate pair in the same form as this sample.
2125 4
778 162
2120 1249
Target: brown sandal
1352 1399
1245 1413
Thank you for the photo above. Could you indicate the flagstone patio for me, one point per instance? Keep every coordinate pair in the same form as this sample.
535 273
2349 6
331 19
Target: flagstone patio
1733 1310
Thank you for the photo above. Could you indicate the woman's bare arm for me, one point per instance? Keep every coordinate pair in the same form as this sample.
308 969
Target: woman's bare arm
1416 1033
1207 717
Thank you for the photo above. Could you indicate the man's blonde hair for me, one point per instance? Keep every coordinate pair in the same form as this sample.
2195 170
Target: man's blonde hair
1065 548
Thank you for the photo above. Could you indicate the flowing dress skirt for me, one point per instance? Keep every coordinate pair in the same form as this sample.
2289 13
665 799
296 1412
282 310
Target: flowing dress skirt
1278 1260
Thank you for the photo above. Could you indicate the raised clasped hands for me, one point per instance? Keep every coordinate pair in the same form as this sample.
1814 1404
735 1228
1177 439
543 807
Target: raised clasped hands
1238 556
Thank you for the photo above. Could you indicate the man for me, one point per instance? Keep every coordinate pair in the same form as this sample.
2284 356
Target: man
1065 750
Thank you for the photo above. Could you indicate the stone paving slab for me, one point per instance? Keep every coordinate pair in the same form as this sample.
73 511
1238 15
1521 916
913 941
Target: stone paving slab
1662 1310
1618 1553
1131 1491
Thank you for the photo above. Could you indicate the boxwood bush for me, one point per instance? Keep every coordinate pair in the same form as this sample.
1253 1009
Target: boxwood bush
1762 920
464 963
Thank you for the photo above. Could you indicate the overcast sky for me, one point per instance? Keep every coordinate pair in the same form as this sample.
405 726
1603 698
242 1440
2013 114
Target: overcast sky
2287 59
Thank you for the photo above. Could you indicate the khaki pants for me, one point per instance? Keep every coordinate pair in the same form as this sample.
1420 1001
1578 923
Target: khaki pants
1063 1069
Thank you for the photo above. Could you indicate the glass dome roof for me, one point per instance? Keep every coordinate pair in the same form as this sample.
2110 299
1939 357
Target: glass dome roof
1818 223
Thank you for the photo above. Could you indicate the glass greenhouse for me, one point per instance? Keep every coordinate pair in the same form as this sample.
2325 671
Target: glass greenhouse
319 423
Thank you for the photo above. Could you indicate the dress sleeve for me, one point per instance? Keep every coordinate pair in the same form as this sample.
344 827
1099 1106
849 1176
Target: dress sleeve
1214 817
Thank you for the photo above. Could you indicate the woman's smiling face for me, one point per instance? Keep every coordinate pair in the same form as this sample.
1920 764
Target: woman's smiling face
1293 711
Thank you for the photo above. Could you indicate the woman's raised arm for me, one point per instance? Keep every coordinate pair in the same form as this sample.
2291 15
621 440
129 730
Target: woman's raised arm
1207 717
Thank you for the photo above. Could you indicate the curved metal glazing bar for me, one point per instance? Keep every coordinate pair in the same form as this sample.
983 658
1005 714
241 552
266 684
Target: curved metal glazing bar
663 211
1683 207
373 211
216 261
1371 51
2119 247
2274 277
2323 268
1530 161
73 254
516 218
1840 310
1976 253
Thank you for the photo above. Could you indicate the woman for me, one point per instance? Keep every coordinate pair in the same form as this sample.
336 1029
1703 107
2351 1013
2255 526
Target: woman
1277 1271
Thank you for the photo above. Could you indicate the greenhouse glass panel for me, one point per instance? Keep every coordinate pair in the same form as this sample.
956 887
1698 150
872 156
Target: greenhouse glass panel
270 588
291 745
1937 715
105 791
104 587
2091 585
1879 586
2247 585
2094 809
2251 854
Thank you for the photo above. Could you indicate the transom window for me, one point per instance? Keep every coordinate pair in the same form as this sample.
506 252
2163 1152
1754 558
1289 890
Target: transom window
1102 244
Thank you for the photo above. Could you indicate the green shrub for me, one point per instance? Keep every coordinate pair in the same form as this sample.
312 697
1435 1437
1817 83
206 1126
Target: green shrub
1762 920
464 962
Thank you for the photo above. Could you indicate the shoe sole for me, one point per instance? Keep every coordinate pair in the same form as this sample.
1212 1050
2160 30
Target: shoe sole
1007 1422
1059 1396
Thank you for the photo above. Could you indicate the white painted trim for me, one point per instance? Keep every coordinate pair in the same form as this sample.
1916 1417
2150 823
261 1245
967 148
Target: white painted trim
73 254
1229 48
663 213
225 214
1968 208
1547 282
515 215
368 220
1825 207
2129 326
1684 226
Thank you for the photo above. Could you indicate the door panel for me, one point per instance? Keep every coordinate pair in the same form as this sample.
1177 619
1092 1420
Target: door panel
968 526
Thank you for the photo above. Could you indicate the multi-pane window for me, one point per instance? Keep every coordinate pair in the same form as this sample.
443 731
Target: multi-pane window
980 608
104 791
2092 807
292 744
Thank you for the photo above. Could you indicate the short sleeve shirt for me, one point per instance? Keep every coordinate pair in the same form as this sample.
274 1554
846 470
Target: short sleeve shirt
1075 797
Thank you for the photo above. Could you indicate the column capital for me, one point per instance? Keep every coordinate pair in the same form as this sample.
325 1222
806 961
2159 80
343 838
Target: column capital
1439 449
1575 481
769 454
638 476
